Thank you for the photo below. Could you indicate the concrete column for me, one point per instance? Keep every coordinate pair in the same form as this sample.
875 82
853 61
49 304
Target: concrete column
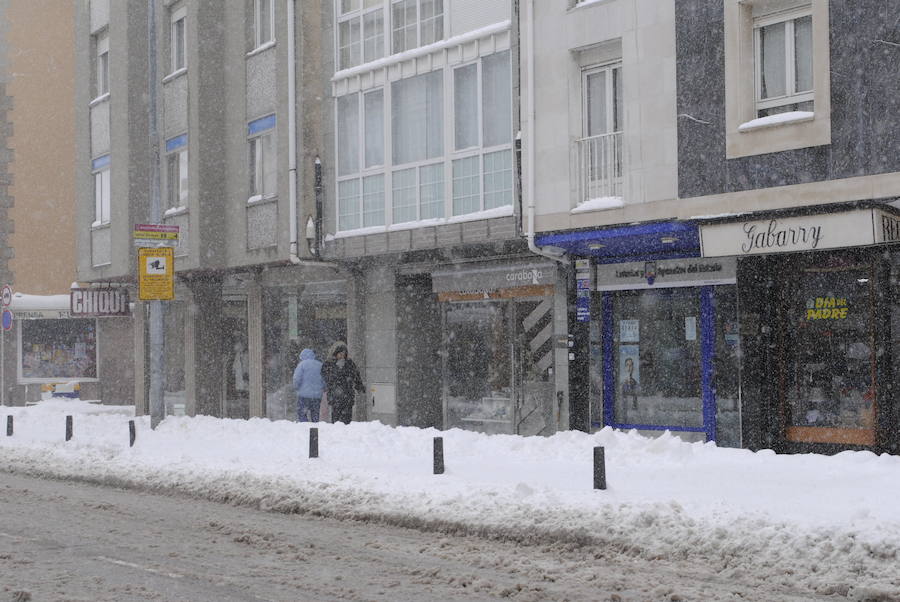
141 388
255 347
190 346
380 316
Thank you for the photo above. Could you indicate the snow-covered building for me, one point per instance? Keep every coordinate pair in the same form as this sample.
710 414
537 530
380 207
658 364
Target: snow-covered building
457 321
724 180
45 349
240 116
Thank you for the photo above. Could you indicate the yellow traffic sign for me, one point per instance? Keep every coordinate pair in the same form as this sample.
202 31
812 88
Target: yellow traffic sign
156 274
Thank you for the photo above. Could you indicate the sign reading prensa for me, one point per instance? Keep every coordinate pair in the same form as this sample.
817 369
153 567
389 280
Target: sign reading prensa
156 274
98 302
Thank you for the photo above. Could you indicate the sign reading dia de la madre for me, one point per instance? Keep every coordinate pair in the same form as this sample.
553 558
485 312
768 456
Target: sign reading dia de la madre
801 233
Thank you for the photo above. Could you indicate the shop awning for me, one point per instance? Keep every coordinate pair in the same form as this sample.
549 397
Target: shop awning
640 242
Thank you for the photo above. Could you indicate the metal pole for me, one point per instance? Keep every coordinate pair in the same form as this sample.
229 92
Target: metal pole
599 468
69 428
157 335
131 433
438 455
314 442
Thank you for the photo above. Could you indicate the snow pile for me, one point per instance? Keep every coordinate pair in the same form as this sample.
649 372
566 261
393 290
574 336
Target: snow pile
776 120
599 204
831 524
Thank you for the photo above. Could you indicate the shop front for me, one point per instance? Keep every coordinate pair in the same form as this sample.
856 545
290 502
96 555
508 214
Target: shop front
666 348
817 308
296 316
498 349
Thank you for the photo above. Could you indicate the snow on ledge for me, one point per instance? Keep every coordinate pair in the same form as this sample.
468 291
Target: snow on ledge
393 59
599 204
174 211
776 120
505 211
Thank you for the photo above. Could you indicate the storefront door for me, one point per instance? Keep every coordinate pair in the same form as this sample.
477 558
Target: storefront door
498 366
236 368
828 376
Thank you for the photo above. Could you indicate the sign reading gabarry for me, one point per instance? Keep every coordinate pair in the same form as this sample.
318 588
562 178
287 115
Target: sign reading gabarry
855 228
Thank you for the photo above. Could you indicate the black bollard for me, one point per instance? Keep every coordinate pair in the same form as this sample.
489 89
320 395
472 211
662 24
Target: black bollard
68 427
314 442
131 433
438 455
599 468
9 426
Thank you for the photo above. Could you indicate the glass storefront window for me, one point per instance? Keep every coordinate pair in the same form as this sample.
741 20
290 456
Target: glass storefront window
830 367
656 358
478 375
58 349
312 316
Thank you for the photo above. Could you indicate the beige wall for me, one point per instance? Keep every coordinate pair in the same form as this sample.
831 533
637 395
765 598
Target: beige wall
40 38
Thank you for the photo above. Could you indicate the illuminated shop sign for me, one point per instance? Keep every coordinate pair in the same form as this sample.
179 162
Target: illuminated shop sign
856 228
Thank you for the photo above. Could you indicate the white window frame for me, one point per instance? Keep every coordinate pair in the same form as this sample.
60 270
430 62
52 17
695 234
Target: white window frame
359 15
257 21
101 66
418 25
256 144
362 171
102 194
445 160
177 16
177 189
791 95
611 101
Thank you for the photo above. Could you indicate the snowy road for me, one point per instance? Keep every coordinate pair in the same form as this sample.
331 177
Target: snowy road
64 540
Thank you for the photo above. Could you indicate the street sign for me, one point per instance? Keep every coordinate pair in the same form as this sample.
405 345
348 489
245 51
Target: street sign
6 295
7 319
155 235
156 274
98 302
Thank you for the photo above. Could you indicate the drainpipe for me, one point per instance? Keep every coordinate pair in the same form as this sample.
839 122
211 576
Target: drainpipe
294 255
529 139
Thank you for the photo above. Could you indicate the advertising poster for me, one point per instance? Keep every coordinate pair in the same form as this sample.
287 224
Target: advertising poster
629 371
629 331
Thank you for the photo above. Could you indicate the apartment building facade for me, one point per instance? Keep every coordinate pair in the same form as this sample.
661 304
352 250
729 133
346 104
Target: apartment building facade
730 206
240 115
47 350
459 322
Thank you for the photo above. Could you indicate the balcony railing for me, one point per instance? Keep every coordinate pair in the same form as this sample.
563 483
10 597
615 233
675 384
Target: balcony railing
598 167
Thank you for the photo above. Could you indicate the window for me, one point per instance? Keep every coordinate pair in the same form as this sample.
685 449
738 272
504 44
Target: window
360 32
176 46
416 23
416 179
777 56
177 172
417 118
54 349
482 109
262 158
602 100
101 68
784 65
263 22
100 167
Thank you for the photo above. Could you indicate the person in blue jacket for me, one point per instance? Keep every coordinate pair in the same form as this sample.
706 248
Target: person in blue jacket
309 386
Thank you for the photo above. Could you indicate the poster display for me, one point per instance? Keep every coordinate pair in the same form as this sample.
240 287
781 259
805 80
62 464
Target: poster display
58 349
629 331
629 372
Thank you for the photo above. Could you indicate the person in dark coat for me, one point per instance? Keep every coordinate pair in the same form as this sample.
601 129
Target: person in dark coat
342 380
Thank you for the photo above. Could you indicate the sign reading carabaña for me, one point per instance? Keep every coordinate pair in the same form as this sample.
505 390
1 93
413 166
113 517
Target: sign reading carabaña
99 302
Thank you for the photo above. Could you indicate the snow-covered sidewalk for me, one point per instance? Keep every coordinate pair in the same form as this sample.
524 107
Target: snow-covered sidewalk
830 523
